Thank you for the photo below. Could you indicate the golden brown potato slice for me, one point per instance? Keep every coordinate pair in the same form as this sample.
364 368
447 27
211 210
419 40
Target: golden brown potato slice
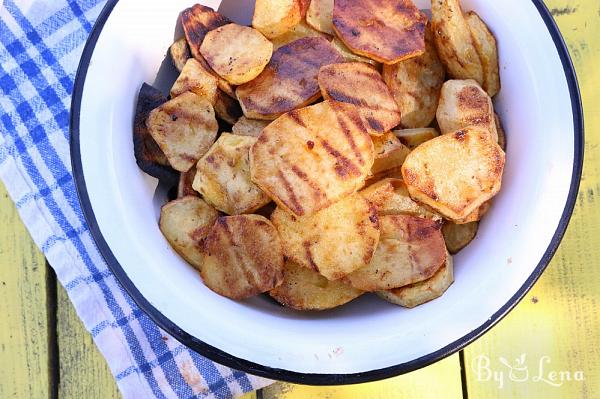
455 173
306 289
361 85
464 103
196 79
458 236
243 257
349 56
335 241
297 32
415 85
413 138
419 293
387 31
184 188
454 41
390 153
184 128
223 176
501 132
227 108
249 127
236 53
476 215
275 17
320 16
411 249
180 53
290 79
485 44
185 223
310 158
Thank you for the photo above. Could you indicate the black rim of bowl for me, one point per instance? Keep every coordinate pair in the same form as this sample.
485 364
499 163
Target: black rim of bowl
226 359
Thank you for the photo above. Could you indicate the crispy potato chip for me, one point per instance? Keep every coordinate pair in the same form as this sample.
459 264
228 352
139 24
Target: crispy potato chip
485 44
290 79
387 31
360 84
455 173
320 16
275 17
335 241
196 79
306 289
411 249
501 132
184 128
185 223
312 157
184 188
464 103
236 53
417 294
243 257
148 155
413 138
454 41
249 127
349 56
390 153
180 53
223 176
297 32
227 108
458 236
415 85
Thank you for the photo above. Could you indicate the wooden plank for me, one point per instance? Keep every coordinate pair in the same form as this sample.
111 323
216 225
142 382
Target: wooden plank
25 340
558 322
440 380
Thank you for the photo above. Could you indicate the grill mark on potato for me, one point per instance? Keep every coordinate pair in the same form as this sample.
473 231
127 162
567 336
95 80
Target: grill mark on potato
317 192
296 118
343 97
350 138
309 256
374 123
295 205
343 166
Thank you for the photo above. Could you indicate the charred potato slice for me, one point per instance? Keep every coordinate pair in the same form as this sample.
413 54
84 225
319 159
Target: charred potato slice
243 257
361 85
312 157
223 176
464 103
456 173
195 78
349 56
249 127
180 53
184 128
320 15
387 31
275 17
501 132
454 41
413 138
415 85
411 249
297 32
390 153
335 241
290 79
485 44
185 223
186 179
227 108
419 293
236 53
458 236
306 289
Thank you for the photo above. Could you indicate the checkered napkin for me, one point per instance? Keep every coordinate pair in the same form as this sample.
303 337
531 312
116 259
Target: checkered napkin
40 45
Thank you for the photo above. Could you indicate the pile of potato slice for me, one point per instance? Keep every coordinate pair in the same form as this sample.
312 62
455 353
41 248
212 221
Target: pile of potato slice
334 148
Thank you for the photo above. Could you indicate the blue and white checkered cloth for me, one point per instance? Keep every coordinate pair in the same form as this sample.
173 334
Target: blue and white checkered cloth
40 45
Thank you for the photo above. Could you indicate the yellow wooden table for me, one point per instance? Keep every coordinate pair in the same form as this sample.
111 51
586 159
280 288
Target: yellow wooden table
554 332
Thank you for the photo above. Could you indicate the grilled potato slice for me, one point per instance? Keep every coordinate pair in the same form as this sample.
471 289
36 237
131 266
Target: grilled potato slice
227 108
223 176
312 157
297 32
335 241
275 17
458 236
411 249
501 132
196 79
413 138
419 293
236 53
390 153
243 257
185 223
349 56
387 31
454 42
476 215
148 155
184 128
320 16
456 173
290 79
306 289
361 85
186 179
464 103
249 127
485 44
180 53
415 85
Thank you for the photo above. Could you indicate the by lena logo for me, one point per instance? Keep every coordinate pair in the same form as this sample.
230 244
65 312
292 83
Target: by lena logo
518 371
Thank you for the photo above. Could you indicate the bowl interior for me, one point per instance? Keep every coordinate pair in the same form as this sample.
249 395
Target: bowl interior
367 334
